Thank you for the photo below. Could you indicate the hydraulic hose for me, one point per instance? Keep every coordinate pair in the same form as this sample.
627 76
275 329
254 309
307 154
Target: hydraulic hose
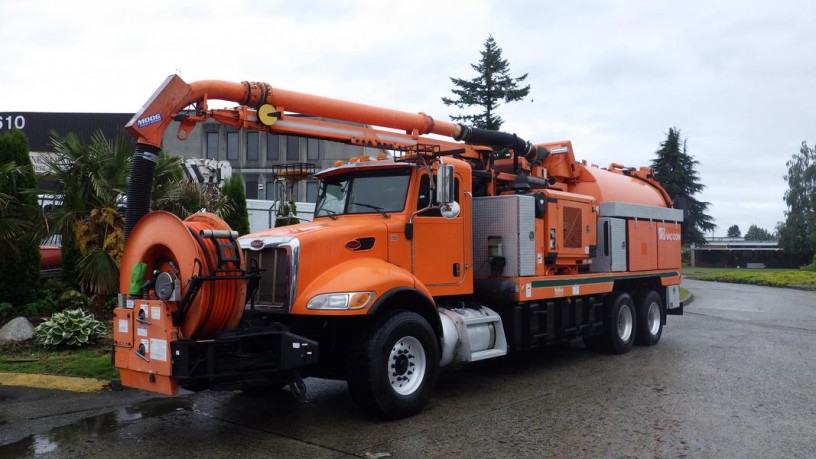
477 136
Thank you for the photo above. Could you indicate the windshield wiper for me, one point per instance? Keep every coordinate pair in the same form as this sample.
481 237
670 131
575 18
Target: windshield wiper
377 208
332 214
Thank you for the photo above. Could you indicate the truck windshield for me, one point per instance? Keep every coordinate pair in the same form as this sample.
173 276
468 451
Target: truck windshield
363 193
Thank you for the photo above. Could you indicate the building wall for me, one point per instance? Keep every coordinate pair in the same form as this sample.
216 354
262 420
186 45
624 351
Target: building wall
741 258
253 153
250 153
40 126
37 126
720 252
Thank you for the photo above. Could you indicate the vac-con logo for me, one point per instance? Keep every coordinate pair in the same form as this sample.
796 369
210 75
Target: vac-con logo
664 235
148 120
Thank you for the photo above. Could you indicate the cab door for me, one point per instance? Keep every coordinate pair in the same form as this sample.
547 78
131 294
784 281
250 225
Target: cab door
438 253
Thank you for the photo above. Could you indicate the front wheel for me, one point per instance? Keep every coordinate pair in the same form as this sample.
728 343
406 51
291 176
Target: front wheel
393 371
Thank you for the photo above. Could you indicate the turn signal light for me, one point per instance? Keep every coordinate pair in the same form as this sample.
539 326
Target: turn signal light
344 300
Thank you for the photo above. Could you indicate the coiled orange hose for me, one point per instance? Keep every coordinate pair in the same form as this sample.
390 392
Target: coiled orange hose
216 298
159 236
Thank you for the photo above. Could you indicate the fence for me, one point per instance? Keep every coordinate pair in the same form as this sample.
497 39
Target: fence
262 213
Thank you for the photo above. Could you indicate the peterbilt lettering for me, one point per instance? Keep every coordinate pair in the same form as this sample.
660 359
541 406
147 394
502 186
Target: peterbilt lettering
451 244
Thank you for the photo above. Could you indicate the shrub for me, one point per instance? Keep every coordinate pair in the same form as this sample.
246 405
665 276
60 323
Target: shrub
19 249
41 307
72 299
788 278
7 312
73 327
810 267
54 296
236 215
286 209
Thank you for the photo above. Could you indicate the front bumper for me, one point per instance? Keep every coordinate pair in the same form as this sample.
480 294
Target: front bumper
241 358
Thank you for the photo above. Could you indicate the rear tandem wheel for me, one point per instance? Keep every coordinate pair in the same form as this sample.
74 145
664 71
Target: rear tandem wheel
619 325
650 314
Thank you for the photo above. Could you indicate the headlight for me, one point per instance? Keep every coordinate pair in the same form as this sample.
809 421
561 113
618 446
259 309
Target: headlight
344 300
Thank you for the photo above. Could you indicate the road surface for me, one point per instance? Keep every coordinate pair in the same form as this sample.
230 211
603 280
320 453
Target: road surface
733 377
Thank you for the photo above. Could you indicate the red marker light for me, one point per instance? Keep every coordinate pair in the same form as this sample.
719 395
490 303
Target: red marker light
353 245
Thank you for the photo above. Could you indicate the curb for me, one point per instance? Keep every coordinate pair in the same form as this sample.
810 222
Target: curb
687 300
65 383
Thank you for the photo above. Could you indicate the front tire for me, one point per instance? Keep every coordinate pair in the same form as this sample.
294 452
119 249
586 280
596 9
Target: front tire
650 313
393 371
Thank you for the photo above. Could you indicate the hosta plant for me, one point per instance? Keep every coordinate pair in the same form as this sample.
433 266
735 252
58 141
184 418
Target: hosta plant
73 327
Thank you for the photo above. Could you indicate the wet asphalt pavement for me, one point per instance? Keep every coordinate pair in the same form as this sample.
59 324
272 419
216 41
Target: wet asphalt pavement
734 377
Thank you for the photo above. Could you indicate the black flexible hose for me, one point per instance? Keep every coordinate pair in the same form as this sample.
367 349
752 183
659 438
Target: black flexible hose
140 183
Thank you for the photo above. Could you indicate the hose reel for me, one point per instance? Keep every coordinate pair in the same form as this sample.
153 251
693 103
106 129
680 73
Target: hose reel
195 265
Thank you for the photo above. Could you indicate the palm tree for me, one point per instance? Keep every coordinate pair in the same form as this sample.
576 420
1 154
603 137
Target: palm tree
173 193
92 178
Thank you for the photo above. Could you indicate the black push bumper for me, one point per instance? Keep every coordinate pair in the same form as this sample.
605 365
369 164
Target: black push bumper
241 358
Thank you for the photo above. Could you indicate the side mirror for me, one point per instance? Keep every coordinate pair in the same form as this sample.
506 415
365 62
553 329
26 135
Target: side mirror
444 184
450 210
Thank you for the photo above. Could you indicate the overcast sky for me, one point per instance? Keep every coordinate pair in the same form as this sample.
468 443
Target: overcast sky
736 77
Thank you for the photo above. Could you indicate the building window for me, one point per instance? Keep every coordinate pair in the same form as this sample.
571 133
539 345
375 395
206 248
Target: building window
251 189
212 145
292 148
312 150
311 191
272 147
252 146
232 146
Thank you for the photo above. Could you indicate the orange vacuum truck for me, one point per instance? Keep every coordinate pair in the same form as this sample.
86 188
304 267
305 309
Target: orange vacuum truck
453 244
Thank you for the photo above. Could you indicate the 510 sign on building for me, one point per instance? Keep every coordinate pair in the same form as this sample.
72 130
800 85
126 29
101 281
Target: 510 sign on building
12 122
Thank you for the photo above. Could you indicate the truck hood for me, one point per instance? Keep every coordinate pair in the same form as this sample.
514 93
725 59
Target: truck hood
327 241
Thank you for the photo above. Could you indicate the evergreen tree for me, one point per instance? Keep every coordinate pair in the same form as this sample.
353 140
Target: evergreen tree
491 86
19 210
798 233
756 233
674 168
734 231
236 214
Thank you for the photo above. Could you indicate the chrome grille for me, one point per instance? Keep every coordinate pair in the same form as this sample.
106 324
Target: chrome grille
276 278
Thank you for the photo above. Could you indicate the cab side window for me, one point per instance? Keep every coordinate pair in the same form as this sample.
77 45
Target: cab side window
424 199
426 196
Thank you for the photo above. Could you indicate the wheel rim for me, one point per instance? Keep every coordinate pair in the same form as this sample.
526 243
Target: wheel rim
625 323
653 318
406 365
